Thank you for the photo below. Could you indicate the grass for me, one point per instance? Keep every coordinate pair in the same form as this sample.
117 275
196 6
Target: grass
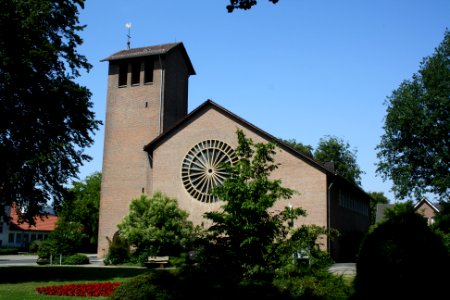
348 279
21 282
27 290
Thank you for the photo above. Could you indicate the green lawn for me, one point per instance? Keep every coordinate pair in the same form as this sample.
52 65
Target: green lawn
20 282
25 291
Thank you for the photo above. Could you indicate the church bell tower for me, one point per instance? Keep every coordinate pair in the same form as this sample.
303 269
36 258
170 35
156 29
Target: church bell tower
147 94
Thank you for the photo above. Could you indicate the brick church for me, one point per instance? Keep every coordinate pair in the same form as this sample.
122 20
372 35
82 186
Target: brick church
153 144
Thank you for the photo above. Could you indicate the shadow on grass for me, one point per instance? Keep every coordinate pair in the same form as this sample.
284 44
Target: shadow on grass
16 274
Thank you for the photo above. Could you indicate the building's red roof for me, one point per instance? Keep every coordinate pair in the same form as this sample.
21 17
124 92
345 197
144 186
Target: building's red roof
44 223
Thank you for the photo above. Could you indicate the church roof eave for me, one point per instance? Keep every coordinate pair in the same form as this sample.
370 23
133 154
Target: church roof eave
152 51
208 104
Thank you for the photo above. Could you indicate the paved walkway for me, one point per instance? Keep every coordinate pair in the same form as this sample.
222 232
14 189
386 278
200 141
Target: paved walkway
27 260
30 260
344 269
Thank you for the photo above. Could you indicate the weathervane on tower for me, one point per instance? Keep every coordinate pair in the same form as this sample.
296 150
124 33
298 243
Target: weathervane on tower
128 26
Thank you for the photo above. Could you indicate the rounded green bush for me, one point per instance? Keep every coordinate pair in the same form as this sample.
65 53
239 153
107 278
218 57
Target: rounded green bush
76 259
34 246
46 249
158 285
401 258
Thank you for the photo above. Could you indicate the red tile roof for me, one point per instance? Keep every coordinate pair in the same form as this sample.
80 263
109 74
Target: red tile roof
44 223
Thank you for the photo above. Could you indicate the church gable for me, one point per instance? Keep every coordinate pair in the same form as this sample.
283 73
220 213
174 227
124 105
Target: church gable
211 125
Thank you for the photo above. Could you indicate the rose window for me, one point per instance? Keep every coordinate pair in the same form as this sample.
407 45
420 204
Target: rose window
203 169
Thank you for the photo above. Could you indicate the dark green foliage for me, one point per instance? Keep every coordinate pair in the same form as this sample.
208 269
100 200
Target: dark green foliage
304 149
45 116
442 218
22 274
67 237
46 249
8 251
165 285
199 285
155 285
81 205
442 224
118 252
334 149
377 198
34 246
244 232
402 258
76 259
414 151
317 285
243 4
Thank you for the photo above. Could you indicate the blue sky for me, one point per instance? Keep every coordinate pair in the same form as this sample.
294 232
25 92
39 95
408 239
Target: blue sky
300 69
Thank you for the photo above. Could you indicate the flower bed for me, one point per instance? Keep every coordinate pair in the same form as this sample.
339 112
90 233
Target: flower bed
98 289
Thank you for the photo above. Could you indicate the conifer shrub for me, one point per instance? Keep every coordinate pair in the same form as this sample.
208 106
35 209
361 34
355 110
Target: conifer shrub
118 252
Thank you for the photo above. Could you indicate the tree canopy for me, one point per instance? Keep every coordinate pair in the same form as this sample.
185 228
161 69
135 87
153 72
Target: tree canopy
45 116
245 229
414 151
378 198
300 147
243 4
81 206
334 149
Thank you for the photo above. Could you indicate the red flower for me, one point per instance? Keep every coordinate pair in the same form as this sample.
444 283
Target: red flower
97 289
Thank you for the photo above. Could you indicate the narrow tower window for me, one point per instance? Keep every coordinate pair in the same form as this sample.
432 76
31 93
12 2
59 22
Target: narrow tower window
148 70
123 71
135 71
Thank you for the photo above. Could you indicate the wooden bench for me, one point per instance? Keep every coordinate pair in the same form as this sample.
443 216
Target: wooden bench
157 261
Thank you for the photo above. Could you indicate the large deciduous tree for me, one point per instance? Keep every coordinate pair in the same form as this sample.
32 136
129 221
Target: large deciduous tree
414 151
300 147
334 149
245 232
81 206
45 116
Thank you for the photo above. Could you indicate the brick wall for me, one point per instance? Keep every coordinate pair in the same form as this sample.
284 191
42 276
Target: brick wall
212 124
133 120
